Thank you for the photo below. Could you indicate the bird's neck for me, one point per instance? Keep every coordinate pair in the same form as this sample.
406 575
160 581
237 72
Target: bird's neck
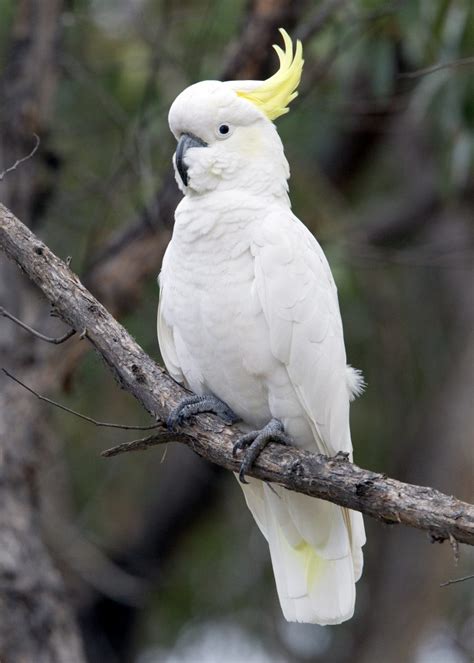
226 214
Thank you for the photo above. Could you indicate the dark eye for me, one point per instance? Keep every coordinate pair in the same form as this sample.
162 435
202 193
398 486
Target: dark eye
224 131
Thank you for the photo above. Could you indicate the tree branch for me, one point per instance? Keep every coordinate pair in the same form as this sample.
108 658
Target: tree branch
162 436
84 417
453 64
37 615
332 479
48 339
18 162
456 580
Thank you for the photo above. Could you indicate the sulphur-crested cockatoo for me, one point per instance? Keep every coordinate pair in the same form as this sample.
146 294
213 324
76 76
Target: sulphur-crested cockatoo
249 321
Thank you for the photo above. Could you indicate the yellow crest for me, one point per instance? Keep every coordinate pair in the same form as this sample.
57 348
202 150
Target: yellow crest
273 95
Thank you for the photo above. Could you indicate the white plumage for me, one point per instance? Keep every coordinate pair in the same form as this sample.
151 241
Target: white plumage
249 313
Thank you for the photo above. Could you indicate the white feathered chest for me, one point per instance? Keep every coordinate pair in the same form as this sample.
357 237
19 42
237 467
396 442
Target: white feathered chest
209 301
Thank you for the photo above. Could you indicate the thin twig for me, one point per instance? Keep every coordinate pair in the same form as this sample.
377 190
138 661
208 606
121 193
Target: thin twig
78 414
144 443
48 339
455 580
453 64
18 162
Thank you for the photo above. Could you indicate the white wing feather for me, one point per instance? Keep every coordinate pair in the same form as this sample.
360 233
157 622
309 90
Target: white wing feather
299 300
167 344
315 545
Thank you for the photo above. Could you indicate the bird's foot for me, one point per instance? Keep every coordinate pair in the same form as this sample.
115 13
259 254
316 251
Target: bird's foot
257 440
195 404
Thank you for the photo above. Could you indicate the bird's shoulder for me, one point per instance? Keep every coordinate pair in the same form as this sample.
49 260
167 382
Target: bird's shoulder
292 269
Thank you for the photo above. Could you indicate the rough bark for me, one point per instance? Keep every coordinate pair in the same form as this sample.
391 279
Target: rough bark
27 89
334 479
36 621
35 616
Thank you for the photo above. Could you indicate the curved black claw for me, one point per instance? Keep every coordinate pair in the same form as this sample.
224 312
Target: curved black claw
257 440
194 405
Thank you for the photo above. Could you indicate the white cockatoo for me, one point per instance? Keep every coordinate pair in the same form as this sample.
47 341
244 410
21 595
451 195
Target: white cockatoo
249 321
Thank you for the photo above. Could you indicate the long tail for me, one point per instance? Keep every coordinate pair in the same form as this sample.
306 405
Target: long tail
316 552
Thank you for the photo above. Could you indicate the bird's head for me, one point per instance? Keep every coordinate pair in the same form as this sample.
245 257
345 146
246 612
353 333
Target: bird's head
226 137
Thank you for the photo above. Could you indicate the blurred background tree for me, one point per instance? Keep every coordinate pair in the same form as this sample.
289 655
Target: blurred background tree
159 555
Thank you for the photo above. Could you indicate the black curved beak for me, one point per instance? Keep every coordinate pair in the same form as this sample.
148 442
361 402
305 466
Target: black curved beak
185 142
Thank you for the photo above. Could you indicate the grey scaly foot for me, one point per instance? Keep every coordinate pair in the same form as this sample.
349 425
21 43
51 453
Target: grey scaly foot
195 404
257 440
